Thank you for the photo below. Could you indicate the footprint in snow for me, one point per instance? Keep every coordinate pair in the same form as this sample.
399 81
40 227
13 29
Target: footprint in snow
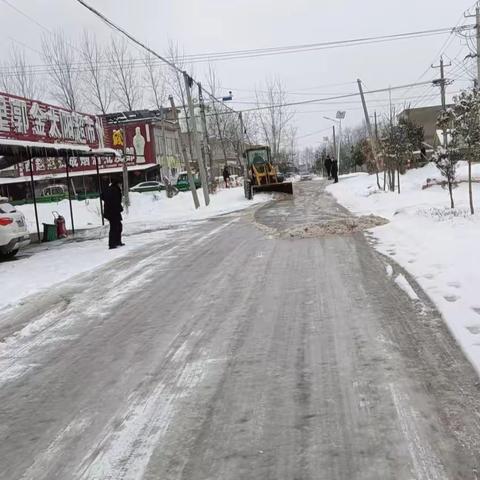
476 310
454 284
474 329
451 298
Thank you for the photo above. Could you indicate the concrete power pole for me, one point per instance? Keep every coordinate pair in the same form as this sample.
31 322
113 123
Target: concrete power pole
242 142
207 151
442 83
196 140
477 27
373 143
334 143
183 149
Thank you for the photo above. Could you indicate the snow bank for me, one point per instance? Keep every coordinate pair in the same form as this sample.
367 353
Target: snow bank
147 210
438 246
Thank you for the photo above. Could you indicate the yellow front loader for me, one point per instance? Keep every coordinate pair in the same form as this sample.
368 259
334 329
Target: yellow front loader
261 175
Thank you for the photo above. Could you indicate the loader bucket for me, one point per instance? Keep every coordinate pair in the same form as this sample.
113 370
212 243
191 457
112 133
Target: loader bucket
286 187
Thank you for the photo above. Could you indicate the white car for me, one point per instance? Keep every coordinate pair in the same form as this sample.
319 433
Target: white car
13 229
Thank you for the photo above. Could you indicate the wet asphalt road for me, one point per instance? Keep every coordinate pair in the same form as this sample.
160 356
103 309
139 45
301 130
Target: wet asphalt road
231 351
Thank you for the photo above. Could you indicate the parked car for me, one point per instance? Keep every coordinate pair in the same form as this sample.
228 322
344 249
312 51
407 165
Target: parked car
182 182
54 193
305 177
152 186
13 229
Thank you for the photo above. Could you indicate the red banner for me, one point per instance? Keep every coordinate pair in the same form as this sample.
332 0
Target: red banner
34 121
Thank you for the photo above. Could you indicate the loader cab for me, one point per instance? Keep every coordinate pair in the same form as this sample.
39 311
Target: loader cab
258 156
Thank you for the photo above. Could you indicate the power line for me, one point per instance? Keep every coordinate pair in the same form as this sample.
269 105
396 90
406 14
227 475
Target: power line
339 97
253 53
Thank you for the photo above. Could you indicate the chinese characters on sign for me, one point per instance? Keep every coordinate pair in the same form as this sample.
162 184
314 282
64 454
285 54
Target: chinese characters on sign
29 120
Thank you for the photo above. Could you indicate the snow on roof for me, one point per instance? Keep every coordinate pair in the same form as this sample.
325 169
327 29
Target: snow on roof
45 145
52 176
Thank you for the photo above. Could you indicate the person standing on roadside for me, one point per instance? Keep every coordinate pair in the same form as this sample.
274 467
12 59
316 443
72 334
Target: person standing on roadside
334 171
328 166
226 176
112 211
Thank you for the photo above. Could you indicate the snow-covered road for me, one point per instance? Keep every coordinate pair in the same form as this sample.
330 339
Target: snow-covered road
231 351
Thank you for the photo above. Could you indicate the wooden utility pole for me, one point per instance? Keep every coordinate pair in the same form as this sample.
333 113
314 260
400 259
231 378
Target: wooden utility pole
207 151
183 149
373 143
196 140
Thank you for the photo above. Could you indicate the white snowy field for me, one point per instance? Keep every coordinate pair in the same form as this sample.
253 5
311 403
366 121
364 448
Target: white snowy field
147 210
439 247
44 266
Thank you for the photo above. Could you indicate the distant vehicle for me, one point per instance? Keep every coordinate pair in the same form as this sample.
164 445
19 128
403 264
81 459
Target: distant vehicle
13 230
54 193
152 186
182 182
304 177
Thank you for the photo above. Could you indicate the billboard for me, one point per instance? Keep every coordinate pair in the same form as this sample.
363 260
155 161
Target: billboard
34 121
134 139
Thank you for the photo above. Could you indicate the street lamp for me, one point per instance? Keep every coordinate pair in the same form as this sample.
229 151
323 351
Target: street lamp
339 117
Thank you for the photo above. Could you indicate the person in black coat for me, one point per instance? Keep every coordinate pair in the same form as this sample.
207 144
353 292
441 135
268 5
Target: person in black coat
328 166
112 211
226 176
335 171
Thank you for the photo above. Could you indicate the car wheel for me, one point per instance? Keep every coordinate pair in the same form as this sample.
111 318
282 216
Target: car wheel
9 254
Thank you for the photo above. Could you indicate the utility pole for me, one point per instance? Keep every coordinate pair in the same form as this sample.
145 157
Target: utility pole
242 142
369 129
477 27
183 149
207 151
196 141
376 125
442 83
126 197
334 143
164 142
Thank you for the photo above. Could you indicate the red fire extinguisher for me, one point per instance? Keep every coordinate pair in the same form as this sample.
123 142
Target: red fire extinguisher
60 224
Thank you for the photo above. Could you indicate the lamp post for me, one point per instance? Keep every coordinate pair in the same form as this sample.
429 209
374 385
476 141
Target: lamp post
339 117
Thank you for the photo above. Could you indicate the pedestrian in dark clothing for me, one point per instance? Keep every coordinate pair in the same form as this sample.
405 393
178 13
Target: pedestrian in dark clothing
328 166
112 211
334 171
226 176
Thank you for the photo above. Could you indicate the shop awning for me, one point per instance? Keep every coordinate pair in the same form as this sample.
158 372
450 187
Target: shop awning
17 151
53 176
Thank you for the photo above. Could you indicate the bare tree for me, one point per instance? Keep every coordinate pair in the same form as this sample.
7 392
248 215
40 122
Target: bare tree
155 80
125 80
17 77
62 57
98 88
276 117
174 77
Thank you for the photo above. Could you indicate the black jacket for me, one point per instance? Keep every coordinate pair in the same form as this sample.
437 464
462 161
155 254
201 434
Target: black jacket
112 200
334 167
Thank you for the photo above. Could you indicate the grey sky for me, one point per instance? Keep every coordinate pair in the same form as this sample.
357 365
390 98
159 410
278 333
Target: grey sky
218 25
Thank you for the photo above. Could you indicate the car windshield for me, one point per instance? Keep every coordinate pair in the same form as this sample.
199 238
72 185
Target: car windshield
7 208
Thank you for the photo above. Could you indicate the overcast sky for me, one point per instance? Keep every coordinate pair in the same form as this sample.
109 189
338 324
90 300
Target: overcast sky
219 25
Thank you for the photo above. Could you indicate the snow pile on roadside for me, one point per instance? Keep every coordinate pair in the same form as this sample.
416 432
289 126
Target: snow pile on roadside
341 226
438 246
147 210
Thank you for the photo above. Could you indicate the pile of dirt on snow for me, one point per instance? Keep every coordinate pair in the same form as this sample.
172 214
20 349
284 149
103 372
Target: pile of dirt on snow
340 226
